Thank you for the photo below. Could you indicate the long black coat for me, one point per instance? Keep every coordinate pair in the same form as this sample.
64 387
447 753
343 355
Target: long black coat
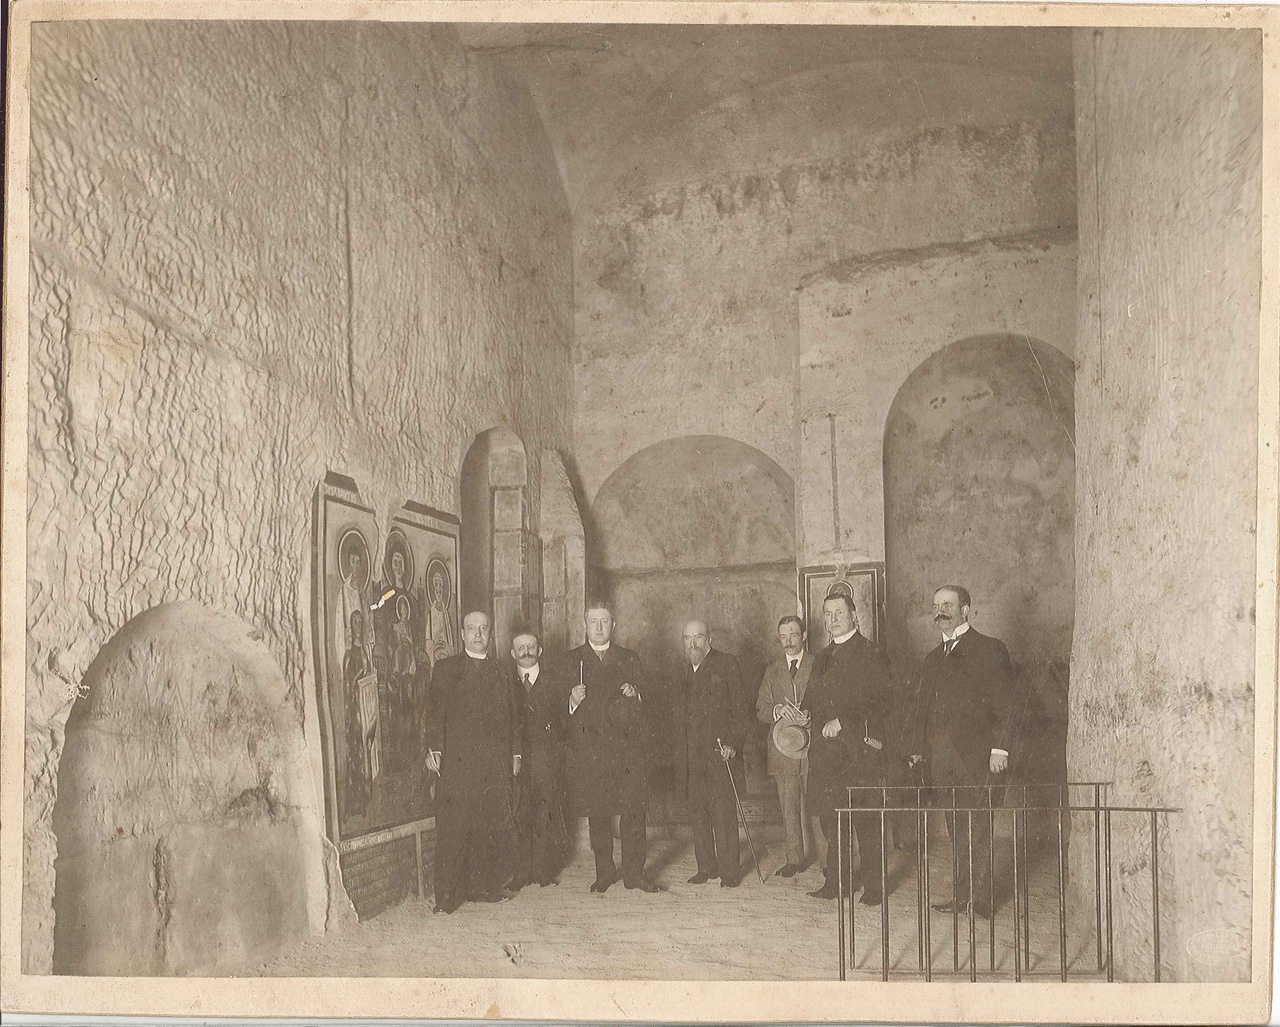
712 705
473 722
849 682
966 705
605 752
543 711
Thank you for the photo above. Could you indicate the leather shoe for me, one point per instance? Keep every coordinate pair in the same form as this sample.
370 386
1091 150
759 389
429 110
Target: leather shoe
731 882
871 898
601 884
790 870
645 886
827 891
702 877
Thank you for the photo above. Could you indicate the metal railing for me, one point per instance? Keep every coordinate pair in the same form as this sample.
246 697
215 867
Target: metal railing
893 803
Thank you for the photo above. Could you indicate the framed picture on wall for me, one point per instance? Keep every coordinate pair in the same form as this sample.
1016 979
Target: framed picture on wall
866 582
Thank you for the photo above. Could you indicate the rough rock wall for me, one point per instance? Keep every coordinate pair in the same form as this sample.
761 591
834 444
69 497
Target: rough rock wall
1162 671
688 256
261 251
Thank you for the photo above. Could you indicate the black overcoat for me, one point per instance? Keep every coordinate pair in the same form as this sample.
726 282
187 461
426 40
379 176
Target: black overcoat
849 682
605 754
473 722
712 706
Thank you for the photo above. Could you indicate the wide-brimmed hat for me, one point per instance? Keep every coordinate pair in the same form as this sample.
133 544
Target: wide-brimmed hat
791 739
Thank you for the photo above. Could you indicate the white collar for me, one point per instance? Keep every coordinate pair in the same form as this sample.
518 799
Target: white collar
697 666
798 658
531 673
599 648
844 638
481 656
958 632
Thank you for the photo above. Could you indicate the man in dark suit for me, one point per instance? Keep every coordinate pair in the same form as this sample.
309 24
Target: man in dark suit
540 693
606 759
473 736
961 728
714 710
848 703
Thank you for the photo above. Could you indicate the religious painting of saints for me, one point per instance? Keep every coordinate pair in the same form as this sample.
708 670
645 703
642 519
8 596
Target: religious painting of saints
344 589
862 582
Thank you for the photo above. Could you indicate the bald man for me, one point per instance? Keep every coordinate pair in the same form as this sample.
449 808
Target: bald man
716 711
474 733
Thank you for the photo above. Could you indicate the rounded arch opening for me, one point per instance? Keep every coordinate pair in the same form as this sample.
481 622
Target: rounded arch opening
699 526
979 473
188 835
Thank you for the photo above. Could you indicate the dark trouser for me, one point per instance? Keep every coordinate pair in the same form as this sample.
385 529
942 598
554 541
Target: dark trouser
536 828
715 825
467 856
947 772
867 826
634 846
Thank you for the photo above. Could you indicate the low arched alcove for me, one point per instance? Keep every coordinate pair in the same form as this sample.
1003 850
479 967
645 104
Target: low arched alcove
188 837
979 472
699 526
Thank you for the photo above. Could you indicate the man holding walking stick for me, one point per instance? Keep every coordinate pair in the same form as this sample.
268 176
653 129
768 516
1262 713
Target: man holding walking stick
716 711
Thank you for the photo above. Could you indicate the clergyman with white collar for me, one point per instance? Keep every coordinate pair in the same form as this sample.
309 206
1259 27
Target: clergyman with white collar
474 739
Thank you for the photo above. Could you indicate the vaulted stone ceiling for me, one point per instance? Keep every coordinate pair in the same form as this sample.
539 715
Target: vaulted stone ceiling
609 93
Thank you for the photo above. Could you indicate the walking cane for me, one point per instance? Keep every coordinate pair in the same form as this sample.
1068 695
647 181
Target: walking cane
741 815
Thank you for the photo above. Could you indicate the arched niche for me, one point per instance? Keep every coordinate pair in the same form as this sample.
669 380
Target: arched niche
187 832
494 542
698 526
563 557
979 472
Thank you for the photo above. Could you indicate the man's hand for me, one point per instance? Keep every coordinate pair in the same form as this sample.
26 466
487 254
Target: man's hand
727 752
913 760
433 762
578 693
515 766
629 690
999 763
831 728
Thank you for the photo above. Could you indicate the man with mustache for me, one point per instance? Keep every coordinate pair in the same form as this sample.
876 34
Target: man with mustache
961 728
714 709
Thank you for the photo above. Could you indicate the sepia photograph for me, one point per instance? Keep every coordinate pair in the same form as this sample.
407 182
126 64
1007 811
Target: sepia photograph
652 511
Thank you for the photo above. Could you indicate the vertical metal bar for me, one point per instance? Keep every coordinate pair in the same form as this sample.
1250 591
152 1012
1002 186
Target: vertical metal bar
1097 872
1111 965
922 907
840 884
973 955
1017 904
928 938
1155 892
991 883
853 923
1062 900
955 885
1026 885
884 902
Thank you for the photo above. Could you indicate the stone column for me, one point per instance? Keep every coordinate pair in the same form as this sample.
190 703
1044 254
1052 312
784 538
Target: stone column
1162 669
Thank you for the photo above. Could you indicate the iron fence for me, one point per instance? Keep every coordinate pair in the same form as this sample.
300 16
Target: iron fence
1011 805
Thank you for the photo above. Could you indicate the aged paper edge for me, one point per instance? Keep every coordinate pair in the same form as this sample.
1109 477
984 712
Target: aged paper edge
621 1000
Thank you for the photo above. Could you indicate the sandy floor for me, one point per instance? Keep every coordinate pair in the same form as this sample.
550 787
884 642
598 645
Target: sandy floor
769 931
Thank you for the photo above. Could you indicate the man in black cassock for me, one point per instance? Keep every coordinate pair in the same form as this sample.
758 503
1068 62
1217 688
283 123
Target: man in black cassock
848 702
474 735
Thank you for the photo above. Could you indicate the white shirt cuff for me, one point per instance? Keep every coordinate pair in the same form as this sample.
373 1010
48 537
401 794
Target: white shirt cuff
777 711
1002 752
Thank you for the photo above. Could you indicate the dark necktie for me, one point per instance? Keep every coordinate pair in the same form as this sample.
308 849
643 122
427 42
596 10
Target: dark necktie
947 646
794 666
525 679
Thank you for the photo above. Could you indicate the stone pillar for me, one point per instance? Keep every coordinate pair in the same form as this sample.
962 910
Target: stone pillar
1162 668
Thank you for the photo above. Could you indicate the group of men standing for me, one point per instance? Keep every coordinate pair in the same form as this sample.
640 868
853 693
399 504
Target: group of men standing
521 749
